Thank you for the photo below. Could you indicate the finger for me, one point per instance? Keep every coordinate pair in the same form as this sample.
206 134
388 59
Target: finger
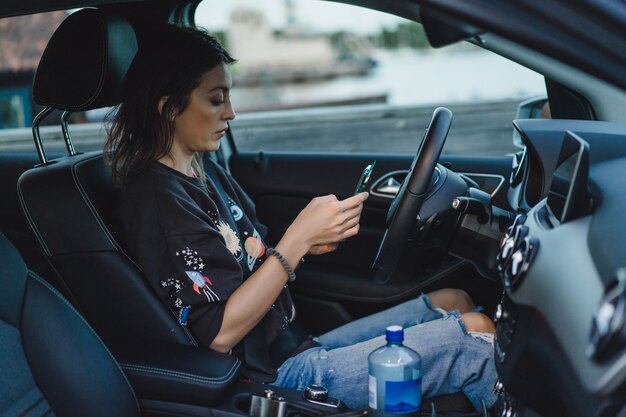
329 247
325 245
349 224
351 231
325 198
351 213
323 248
355 200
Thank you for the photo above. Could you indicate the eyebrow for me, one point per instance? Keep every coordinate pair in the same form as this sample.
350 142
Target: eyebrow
221 87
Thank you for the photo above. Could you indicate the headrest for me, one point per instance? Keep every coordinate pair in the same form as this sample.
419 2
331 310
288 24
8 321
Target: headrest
84 65
12 282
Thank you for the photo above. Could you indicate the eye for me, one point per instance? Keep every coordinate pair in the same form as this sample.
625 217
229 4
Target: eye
217 99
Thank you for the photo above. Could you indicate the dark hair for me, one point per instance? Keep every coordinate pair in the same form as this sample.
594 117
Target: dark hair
170 63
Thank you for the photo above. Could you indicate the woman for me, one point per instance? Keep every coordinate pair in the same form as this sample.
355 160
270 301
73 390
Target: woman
201 246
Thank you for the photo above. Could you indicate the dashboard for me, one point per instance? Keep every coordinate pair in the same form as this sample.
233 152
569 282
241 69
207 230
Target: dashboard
561 325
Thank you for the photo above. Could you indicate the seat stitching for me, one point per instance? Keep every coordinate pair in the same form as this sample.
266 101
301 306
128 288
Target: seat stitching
29 218
184 375
87 201
43 282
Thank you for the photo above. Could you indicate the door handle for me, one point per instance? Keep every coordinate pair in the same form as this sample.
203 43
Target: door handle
391 186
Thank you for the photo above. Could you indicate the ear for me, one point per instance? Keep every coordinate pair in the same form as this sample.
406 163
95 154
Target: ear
161 104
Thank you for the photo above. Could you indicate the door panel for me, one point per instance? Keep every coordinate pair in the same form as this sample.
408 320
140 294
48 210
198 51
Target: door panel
335 288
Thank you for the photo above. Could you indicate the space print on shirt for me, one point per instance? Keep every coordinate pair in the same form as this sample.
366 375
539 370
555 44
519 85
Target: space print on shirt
177 286
173 282
191 259
194 264
201 285
214 215
183 311
231 239
235 210
255 249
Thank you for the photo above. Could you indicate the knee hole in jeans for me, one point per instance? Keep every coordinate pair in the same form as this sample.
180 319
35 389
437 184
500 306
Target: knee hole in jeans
478 322
451 299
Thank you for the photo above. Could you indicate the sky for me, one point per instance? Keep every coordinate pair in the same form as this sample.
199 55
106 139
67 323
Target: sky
322 15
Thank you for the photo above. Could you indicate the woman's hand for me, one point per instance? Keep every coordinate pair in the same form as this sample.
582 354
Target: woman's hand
326 221
318 229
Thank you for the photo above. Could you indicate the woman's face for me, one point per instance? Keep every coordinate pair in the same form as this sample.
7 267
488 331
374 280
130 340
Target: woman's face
202 124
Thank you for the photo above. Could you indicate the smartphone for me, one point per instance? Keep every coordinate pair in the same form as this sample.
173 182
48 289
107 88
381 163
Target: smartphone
365 177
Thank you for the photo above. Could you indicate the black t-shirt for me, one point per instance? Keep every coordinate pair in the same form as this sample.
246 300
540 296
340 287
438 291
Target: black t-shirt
196 244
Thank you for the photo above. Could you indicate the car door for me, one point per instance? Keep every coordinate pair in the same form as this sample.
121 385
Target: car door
336 288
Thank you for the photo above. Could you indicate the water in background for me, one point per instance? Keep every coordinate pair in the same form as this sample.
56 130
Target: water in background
408 77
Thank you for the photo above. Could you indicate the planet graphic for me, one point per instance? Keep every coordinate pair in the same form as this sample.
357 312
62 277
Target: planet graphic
254 247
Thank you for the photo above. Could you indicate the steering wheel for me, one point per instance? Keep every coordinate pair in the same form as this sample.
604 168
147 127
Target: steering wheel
406 205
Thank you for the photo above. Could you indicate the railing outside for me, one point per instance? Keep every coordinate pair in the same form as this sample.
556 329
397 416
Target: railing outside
478 128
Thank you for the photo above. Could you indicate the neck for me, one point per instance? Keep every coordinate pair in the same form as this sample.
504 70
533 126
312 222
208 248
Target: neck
182 165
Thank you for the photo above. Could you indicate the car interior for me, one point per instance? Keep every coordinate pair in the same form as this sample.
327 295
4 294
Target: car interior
535 237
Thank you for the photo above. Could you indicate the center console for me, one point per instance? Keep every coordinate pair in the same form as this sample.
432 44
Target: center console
187 381
174 379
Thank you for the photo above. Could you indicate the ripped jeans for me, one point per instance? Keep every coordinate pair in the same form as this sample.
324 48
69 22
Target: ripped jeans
453 360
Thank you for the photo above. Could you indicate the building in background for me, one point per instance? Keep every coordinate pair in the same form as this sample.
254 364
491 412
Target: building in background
22 41
266 56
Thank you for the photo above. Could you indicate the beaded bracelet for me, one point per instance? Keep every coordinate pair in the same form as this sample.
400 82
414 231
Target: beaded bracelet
283 262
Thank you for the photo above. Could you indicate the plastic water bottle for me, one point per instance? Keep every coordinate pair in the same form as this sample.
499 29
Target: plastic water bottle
395 377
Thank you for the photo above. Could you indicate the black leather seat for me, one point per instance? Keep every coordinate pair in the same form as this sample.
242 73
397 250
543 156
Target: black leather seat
51 361
67 201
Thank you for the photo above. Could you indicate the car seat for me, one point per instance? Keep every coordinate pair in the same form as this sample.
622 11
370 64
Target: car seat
67 201
51 361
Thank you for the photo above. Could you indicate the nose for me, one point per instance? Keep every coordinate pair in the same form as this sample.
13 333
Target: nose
229 114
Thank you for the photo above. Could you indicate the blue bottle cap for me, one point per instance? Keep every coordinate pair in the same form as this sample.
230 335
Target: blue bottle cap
395 333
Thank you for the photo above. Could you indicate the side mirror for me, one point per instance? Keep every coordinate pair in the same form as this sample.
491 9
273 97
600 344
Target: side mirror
532 108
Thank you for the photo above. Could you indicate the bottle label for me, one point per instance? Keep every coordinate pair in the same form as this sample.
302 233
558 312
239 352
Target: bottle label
372 392
402 397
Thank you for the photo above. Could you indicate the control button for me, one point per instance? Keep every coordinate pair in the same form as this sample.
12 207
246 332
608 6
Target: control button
516 262
520 262
498 387
316 393
509 409
499 313
507 249
510 231
509 246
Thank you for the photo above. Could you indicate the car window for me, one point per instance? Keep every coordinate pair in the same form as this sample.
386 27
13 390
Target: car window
311 76
322 76
22 42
